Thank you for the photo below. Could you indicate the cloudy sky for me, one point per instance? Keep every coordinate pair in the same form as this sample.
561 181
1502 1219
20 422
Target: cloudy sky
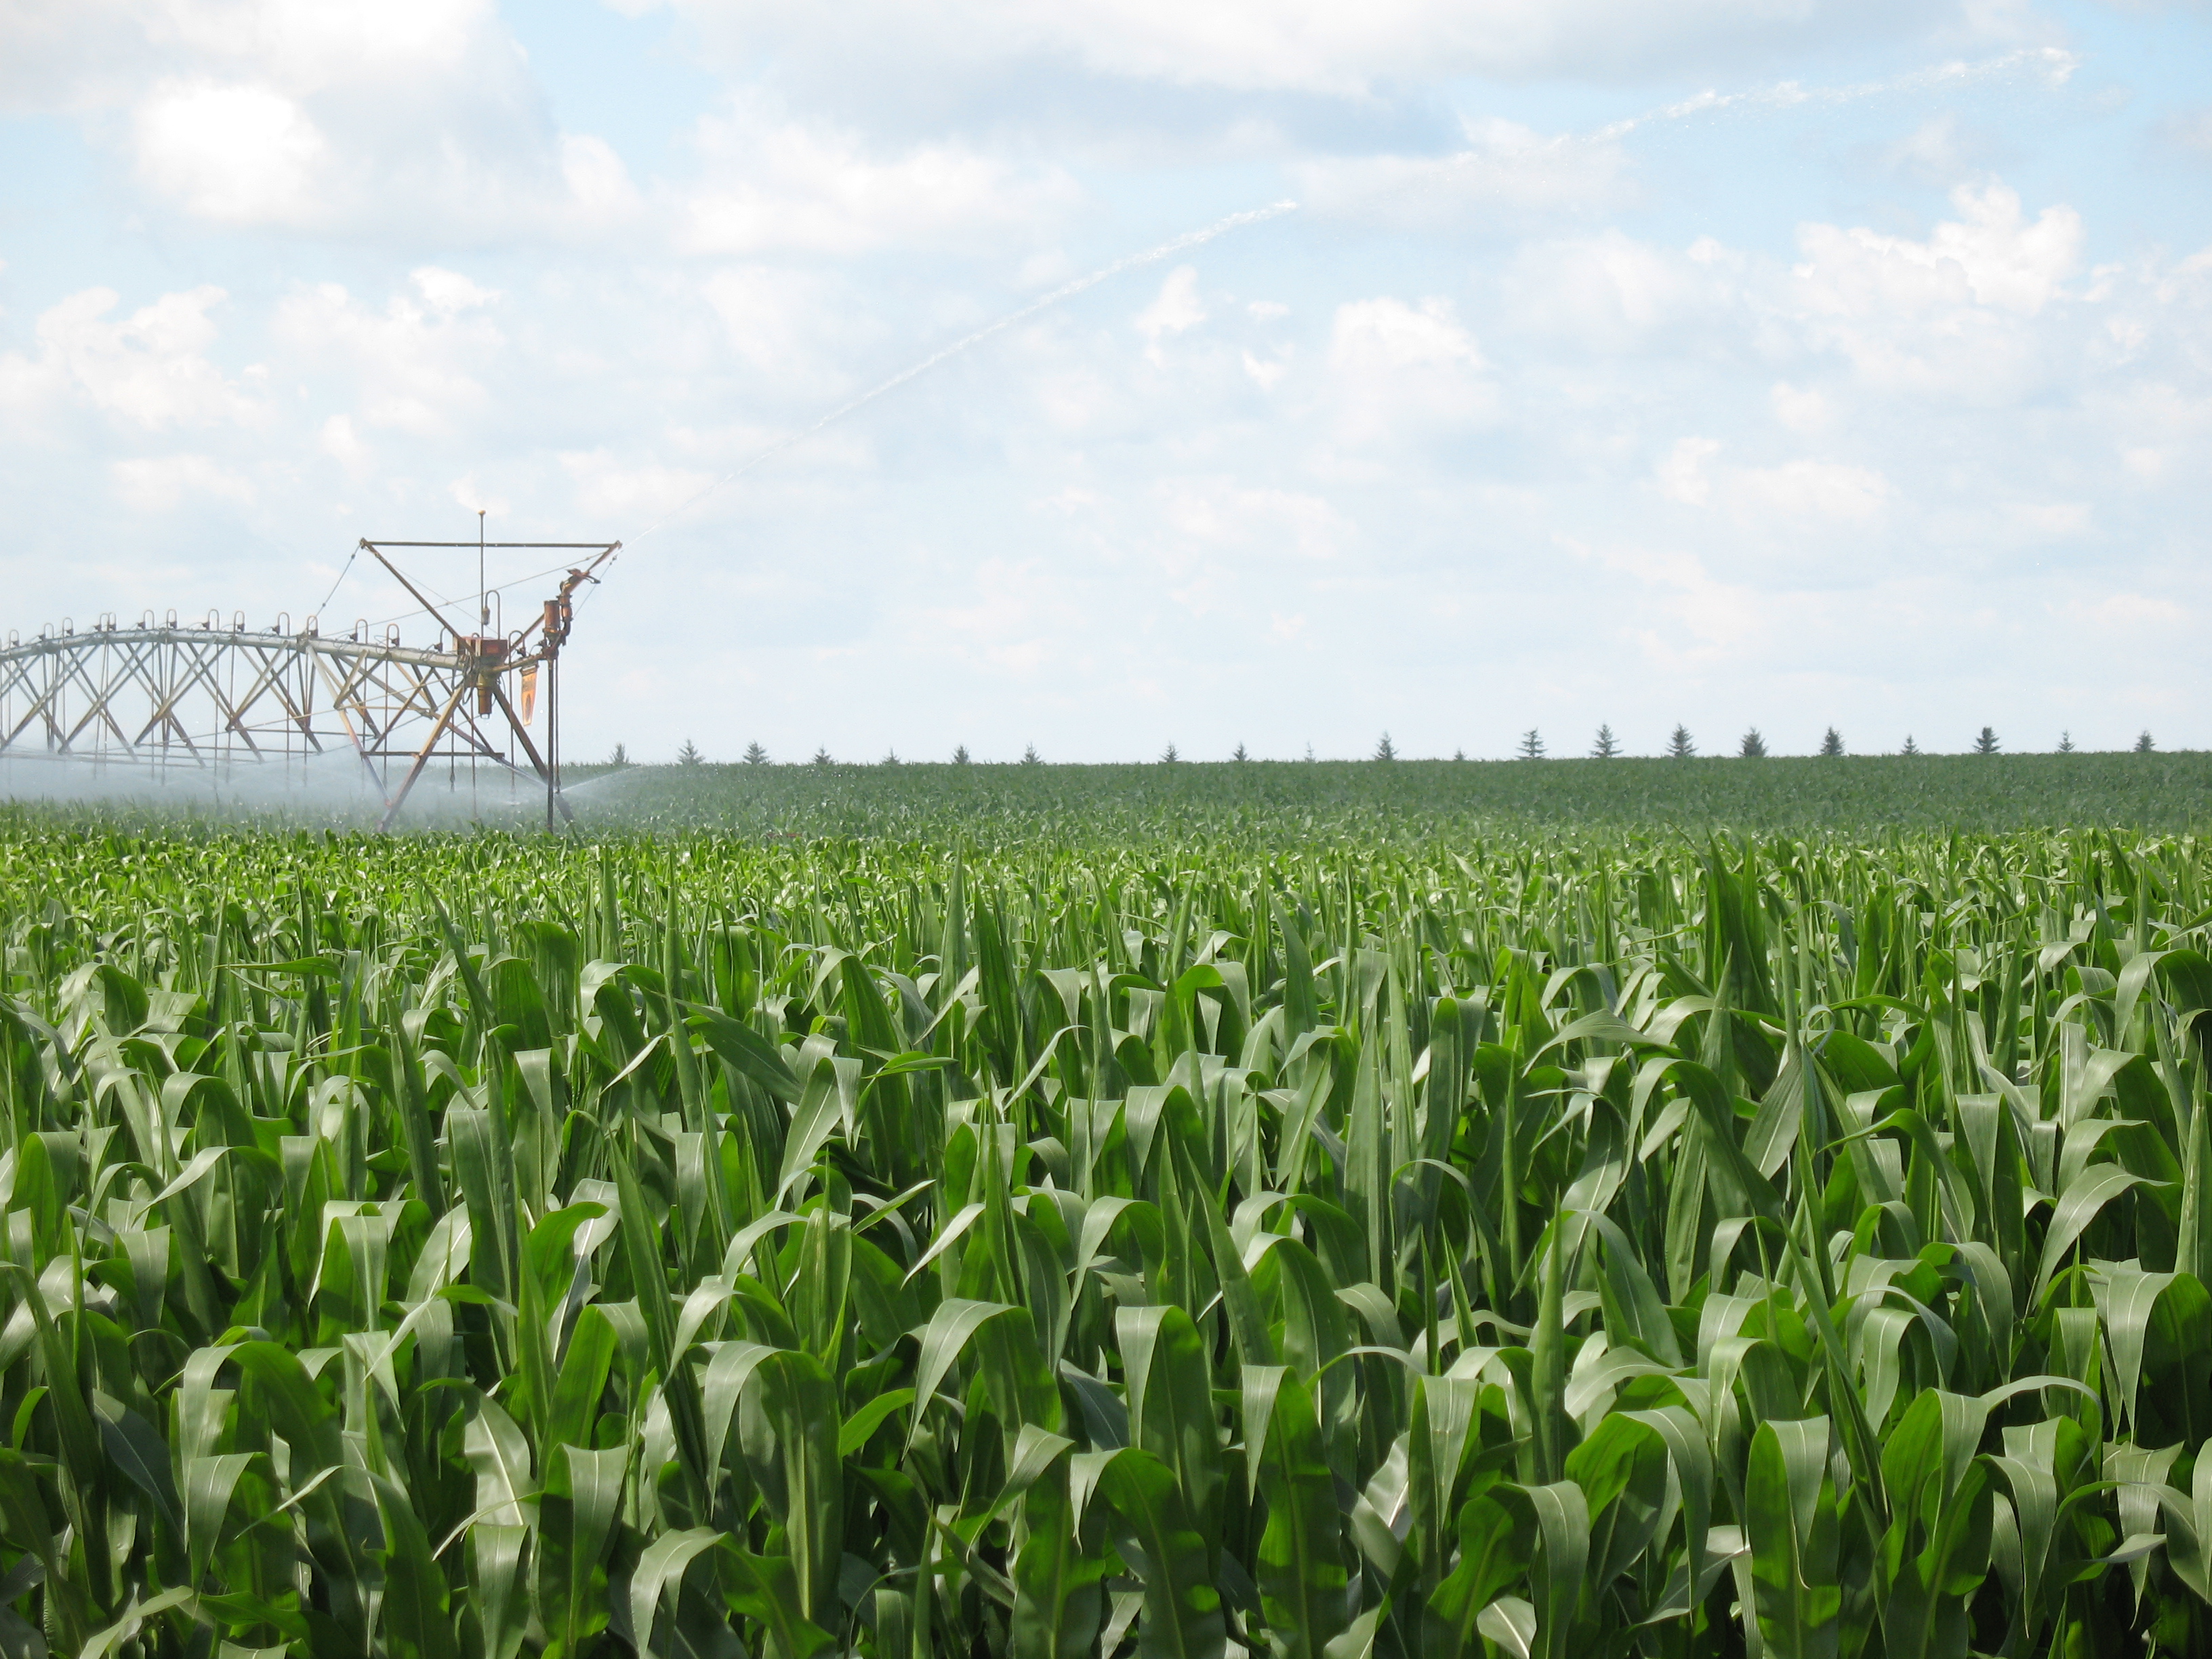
1793 362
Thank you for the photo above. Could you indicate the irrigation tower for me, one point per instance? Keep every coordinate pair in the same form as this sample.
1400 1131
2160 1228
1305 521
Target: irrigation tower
212 698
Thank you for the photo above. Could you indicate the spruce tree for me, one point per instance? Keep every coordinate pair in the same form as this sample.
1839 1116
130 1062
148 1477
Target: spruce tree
1752 747
755 755
689 755
1987 743
1532 745
1832 744
1385 750
1679 746
1605 747
2143 744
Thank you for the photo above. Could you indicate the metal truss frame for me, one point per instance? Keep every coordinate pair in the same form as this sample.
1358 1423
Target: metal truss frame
165 696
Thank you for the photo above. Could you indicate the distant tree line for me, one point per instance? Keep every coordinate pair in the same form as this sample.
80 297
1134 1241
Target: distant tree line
1604 746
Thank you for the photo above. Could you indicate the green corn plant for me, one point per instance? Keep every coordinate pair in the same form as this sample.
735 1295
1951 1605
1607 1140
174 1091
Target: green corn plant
1180 1236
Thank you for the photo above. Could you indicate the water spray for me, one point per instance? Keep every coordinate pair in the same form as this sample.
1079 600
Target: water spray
1044 303
2056 64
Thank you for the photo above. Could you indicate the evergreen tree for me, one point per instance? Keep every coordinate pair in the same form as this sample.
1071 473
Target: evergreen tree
891 758
1030 757
621 756
689 755
1910 747
1832 744
1385 750
1987 743
1240 755
1679 746
1532 745
1169 756
960 756
1458 754
1605 747
2065 743
1310 753
1752 747
821 757
755 755
2143 744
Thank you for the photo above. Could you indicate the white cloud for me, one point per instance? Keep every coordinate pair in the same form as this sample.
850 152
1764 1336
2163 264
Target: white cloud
1406 371
1681 475
1940 152
329 114
1610 293
473 497
235 155
1834 492
599 183
1505 167
1223 535
1253 45
1016 615
413 364
1804 491
1803 409
1949 315
1174 309
1990 255
611 488
794 329
1222 514
447 292
779 186
160 484
2052 520
1387 334
147 371
1266 372
2131 612
312 43
343 445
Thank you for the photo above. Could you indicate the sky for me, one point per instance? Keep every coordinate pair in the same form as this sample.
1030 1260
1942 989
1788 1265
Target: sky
1786 363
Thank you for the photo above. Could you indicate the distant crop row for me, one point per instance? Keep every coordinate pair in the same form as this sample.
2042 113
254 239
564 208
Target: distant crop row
1253 805
468 1247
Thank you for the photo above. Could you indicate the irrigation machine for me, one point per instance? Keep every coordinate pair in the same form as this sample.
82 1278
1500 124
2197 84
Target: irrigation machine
212 699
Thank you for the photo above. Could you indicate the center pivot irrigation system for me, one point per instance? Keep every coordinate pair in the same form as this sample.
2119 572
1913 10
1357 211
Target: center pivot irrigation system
208 698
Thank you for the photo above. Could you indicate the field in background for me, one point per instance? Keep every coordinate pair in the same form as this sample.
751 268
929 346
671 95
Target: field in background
1254 802
1854 794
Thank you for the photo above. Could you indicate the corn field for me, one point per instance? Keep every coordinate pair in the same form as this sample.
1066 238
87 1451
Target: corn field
476 1247
1385 799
